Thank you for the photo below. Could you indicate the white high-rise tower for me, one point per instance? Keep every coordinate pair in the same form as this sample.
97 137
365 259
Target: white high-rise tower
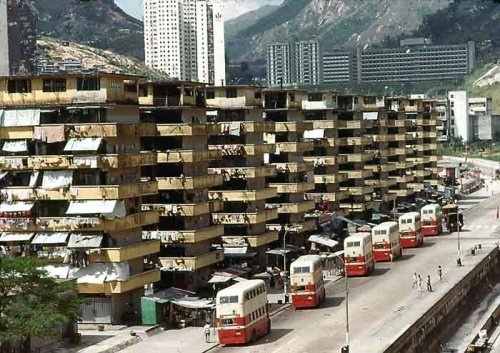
185 39
4 40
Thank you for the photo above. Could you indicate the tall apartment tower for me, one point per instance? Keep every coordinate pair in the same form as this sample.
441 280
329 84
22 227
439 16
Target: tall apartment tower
185 39
307 62
17 38
280 68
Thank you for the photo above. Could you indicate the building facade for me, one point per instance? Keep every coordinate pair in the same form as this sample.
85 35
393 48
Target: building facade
280 66
185 39
307 61
338 67
4 40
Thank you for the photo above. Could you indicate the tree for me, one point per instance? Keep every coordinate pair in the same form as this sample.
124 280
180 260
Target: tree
31 303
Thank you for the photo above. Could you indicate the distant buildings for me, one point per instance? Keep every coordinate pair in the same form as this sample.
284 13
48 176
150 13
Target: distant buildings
414 60
297 63
17 37
185 39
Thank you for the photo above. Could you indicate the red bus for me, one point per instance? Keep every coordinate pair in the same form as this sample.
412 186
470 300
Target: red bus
410 230
306 282
241 312
358 254
385 239
431 219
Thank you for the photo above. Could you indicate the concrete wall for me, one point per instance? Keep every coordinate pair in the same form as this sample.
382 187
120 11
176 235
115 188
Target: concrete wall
438 320
4 41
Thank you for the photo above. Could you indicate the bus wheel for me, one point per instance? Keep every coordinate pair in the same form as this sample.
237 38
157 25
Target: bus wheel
254 336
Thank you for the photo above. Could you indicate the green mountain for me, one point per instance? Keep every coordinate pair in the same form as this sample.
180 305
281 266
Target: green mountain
247 20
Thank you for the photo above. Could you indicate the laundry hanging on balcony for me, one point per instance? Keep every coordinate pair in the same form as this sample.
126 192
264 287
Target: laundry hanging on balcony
55 179
49 134
107 208
15 146
318 239
85 241
13 238
20 206
21 117
101 272
370 115
314 134
83 144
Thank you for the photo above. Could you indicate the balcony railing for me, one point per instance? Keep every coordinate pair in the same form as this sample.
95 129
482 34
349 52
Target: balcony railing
243 195
327 196
294 167
291 188
298 207
183 129
255 240
117 287
244 218
329 178
293 126
242 150
244 172
193 263
358 190
323 124
188 156
126 253
184 236
189 183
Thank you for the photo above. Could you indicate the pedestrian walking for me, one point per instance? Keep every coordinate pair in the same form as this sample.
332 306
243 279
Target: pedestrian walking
415 281
429 285
440 272
391 256
206 329
419 283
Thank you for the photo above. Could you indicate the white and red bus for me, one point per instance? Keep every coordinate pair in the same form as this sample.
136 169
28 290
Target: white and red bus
306 281
410 230
431 217
241 312
385 240
358 254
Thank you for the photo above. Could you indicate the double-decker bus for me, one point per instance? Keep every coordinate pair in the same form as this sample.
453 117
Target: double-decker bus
410 230
385 240
431 218
306 281
241 312
358 254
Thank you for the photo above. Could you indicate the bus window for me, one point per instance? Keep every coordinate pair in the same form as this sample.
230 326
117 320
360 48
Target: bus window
231 299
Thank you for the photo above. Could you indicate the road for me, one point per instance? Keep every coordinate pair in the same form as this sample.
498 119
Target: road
381 304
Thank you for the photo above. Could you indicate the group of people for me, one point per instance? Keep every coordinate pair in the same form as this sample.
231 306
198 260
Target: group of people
417 280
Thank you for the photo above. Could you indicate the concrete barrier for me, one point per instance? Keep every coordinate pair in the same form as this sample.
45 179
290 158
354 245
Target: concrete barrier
421 337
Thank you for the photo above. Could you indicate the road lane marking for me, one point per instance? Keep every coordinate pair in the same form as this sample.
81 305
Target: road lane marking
293 340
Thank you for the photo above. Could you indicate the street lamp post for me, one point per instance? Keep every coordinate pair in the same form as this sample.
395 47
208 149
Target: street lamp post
285 279
459 260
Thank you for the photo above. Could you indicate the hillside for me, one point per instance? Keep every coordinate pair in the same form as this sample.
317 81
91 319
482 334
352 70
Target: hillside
345 21
247 20
99 23
91 58
485 82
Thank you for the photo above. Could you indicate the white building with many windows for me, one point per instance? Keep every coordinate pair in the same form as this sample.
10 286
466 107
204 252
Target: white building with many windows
185 39
4 40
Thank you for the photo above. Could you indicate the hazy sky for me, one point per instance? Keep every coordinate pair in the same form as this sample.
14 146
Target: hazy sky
234 8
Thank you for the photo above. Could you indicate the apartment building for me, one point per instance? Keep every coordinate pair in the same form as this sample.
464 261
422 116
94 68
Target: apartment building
186 230
307 62
280 66
71 186
338 66
4 40
294 176
185 39
237 112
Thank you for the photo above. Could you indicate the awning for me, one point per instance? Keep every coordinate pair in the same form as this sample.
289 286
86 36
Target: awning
15 146
3 174
108 208
85 241
219 279
314 134
83 144
194 303
370 116
101 272
323 241
16 206
57 271
16 237
50 238
235 249
55 179
22 117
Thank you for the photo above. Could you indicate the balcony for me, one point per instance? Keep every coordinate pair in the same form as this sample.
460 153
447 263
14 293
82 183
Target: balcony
292 188
299 207
243 195
304 226
239 102
323 124
402 192
357 190
381 183
434 158
403 179
188 156
426 122
329 178
356 206
184 129
389 197
354 124
107 130
126 253
417 186
255 240
357 174
412 108
193 263
189 183
16 132
108 192
377 168
293 126
293 167
421 173
395 123
383 138
177 237
318 105
326 160
244 218
184 209
327 196
294 147
117 287
245 172
257 126
359 157
242 150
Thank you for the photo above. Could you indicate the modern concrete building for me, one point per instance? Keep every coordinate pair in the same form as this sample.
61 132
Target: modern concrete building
185 39
280 65
4 40
338 67
71 186
307 62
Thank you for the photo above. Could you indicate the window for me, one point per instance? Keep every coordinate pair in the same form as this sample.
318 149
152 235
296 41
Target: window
227 322
19 86
300 288
353 243
130 87
231 93
88 84
210 94
54 85
258 95
230 299
302 269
